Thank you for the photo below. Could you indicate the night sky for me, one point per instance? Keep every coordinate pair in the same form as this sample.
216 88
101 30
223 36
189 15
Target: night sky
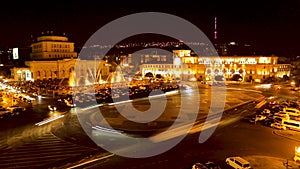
271 27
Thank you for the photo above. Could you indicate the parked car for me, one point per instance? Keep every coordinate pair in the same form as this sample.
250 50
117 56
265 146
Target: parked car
278 126
199 166
260 117
268 122
15 110
4 114
238 163
252 120
212 165
266 112
282 114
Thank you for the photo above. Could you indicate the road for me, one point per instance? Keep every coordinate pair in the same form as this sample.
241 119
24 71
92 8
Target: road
237 138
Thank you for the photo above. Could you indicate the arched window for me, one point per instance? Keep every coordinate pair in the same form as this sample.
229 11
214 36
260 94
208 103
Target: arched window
241 71
71 69
208 71
217 71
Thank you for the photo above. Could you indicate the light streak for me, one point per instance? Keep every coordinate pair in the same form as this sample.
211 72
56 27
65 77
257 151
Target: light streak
106 129
90 161
48 120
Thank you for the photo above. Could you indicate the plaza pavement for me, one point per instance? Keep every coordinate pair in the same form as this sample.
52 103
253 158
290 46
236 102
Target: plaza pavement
257 161
268 162
117 121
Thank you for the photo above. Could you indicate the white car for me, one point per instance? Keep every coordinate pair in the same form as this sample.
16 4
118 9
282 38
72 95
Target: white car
278 126
238 163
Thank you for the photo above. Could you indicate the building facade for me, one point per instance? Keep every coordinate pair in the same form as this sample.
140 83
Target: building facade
52 47
250 68
53 57
79 72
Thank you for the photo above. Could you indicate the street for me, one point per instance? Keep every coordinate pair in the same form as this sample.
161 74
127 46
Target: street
234 136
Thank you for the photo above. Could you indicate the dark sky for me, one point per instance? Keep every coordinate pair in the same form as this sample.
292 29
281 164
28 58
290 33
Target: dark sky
272 26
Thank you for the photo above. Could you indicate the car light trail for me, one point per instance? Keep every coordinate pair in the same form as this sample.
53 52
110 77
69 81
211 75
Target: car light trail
90 161
48 120
106 129
172 133
120 102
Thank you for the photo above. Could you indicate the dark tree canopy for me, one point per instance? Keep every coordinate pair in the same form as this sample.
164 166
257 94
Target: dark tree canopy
159 76
149 74
236 77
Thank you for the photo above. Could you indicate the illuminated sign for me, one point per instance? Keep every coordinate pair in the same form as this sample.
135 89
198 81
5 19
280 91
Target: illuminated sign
15 53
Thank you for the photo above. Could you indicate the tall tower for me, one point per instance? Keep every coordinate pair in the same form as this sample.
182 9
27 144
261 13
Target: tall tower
215 32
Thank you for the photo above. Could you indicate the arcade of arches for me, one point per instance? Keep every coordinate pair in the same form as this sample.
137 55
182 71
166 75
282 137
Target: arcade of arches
79 72
250 68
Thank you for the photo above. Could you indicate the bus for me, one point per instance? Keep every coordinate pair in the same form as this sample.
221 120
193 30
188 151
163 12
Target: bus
291 124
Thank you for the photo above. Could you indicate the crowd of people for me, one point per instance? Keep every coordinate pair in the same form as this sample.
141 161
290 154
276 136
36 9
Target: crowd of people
105 93
102 93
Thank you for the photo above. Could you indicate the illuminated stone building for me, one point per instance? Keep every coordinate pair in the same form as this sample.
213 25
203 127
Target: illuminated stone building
52 47
250 68
80 72
53 57
145 56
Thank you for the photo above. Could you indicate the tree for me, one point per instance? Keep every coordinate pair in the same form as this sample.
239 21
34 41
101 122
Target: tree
159 76
236 77
149 74
286 77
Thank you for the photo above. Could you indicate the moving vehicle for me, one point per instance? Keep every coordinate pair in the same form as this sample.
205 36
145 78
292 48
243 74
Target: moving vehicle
52 107
238 163
70 103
